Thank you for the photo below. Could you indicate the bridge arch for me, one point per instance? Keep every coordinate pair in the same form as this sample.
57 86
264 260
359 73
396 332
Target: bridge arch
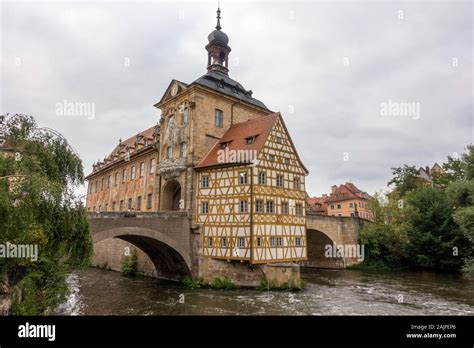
317 242
325 230
169 258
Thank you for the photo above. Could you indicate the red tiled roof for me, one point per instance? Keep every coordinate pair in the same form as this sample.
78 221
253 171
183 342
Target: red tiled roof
110 159
236 137
346 191
315 200
352 187
316 204
148 133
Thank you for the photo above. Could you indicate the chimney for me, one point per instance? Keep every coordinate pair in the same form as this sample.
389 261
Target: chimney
333 188
427 169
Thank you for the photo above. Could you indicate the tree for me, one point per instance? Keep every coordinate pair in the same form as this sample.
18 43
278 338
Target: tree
405 179
453 170
435 240
385 239
38 172
376 206
461 196
425 226
468 159
461 193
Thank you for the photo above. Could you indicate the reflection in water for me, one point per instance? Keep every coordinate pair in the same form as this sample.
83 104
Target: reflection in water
346 292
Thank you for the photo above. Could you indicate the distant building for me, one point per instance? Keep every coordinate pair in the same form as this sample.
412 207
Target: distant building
344 200
427 173
317 205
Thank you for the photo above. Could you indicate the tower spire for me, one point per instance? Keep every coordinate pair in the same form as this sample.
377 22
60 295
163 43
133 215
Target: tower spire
218 26
218 48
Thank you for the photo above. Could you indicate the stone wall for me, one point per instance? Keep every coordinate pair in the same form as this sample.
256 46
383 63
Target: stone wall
109 253
237 272
245 274
283 273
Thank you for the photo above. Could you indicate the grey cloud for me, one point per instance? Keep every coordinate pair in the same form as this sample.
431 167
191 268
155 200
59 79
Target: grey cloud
290 54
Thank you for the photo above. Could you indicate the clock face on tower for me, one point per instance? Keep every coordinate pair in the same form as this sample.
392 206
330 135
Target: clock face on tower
174 90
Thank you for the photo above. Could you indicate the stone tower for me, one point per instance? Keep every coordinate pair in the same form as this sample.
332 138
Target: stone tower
194 117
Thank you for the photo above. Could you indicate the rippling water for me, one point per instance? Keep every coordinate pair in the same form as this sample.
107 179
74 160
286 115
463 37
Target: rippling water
346 292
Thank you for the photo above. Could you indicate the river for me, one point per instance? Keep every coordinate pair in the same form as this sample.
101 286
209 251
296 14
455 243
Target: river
343 292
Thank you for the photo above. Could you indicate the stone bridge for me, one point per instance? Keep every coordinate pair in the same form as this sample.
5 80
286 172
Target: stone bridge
172 249
323 231
163 236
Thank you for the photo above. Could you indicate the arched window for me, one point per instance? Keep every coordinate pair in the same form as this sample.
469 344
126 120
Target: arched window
169 152
219 118
152 166
184 116
183 150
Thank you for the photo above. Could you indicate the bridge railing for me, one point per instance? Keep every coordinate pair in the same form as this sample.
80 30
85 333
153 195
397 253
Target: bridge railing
315 216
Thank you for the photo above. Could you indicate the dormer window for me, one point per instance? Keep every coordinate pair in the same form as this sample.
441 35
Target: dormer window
249 140
225 144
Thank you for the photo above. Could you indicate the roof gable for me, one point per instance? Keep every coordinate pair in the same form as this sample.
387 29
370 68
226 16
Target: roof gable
175 86
282 148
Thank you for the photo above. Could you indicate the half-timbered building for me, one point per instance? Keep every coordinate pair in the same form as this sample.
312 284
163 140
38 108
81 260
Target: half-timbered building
251 196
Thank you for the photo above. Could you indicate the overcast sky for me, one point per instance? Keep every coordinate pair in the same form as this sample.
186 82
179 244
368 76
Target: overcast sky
327 66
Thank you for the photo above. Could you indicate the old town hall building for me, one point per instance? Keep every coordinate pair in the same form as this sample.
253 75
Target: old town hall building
219 154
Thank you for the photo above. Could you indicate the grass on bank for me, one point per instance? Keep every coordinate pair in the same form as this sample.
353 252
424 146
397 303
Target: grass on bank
216 283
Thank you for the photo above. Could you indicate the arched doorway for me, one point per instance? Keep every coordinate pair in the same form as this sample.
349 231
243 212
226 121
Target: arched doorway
171 195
